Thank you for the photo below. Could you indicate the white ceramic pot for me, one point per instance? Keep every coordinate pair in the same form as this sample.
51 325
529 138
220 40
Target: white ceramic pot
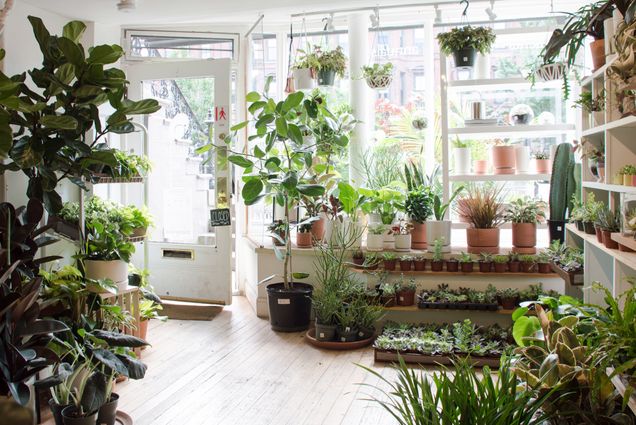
389 240
375 242
438 230
374 219
402 242
462 160
115 270
303 79
483 66
522 159
344 231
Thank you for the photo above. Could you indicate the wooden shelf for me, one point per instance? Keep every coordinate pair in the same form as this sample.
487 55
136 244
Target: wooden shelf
599 73
621 387
626 258
513 130
416 308
459 273
623 123
498 177
627 241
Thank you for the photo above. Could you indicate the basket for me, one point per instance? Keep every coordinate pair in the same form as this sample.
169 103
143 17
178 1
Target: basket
551 72
379 81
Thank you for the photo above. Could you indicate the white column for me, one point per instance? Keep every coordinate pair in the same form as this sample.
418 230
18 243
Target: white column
429 55
360 96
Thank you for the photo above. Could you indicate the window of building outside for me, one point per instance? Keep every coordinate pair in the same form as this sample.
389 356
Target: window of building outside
178 45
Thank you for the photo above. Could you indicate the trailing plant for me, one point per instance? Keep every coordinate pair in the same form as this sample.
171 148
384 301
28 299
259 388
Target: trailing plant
590 103
385 202
478 38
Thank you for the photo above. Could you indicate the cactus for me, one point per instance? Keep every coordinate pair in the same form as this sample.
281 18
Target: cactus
562 184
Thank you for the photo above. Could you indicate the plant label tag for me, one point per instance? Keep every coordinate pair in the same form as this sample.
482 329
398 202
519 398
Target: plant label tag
284 301
360 334
220 217
322 334
401 298
343 339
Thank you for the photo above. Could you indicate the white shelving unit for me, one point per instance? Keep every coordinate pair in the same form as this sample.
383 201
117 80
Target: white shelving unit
498 177
512 130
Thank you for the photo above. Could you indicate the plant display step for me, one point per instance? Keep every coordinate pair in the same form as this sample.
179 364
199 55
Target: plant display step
459 273
458 306
310 336
393 356
572 278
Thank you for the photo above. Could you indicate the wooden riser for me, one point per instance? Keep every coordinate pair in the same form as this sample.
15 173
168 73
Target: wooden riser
386 356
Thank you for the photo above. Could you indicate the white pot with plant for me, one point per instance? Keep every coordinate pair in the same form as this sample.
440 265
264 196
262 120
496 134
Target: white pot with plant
403 236
385 202
375 237
440 228
378 76
461 155
304 70
522 159
465 42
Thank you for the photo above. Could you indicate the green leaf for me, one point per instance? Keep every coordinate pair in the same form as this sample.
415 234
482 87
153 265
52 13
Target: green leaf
144 106
311 189
105 54
72 51
264 120
59 122
74 30
290 181
300 275
65 73
6 135
273 163
519 312
240 160
251 190
258 152
42 35
524 327
293 100
295 134
239 126
256 106
87 91
281 126
23 153
252 97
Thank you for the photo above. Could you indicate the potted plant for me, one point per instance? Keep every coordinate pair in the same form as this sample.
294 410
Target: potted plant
406 262
388 294
461 155
629 175
610 222
390 261
503 158
106 253
578 213
509 298
591 210
303 234
500 263
514 265
440 228
528 263
276 230
330 64
402 233
437 263
595 157
464 43
375 237
593 105
419 263
385 204
405 294
562 184
358 257
326 305
378 76
304 70
541 162
346 225
543 262
148 309
346 330
480 166
371 261
419 207
483 210
84 409
465 262
525 214
452 265
485 262
367 316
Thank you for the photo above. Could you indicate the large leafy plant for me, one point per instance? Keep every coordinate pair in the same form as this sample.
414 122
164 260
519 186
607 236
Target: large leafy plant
50 126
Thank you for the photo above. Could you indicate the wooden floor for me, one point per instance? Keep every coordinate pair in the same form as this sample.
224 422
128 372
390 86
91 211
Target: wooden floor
235 370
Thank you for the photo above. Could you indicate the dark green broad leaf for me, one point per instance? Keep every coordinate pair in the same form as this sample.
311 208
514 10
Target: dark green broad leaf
123 128
49 178
23 153
109 359
290 181
136 369
300 275
42 35
311 107
41 327
240 160
239 126
115 339
94 395
252 97
251 190
74 30
292 101
52 201
144 106
254 107
72 51
294 133
105 54
311 189
116 118
59 122
264 120
273 163
281 126
65 73
87 91
309 159
258 152
6 136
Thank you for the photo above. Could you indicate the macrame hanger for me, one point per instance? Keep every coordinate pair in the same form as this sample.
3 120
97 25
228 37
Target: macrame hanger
375 24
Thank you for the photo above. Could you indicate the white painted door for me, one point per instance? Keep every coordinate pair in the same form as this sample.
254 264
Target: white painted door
188 258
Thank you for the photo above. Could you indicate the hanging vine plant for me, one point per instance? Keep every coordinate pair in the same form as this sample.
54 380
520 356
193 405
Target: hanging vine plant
378 76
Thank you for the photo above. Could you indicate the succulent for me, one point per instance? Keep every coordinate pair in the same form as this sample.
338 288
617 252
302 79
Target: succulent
501 259
389 256
465 258
438 248
527 258
509 293
486 257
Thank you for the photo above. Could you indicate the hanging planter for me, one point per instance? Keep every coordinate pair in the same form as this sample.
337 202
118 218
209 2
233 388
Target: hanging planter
378 76
304 70
464 43
331 63
551 72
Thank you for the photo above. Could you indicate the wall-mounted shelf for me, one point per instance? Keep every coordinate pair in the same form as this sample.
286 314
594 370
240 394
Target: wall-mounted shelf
499 177
616 188
499 84
628 122
513 130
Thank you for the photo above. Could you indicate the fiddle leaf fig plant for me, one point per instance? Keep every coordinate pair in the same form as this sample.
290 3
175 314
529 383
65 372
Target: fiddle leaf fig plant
50 125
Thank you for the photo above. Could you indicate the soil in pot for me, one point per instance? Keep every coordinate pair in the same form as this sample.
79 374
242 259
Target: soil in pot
608 241
544 268
390 265
71 416
514 266
524 235
527 267
509 303
303 240
467 267
465 58
108 411
418 236
419 265
485 266
405 266
289 309
346 334
501 267
56 410
588 227
405 298
599 234
325 332
437 266
452 266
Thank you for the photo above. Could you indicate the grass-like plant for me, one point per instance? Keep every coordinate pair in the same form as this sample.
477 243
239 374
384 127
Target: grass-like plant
482 208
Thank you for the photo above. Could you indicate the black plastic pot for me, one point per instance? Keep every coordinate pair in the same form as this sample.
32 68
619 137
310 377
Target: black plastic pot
465 58
108 411
70 418
326 77
289 309
325 332
579 225
365 333
347 334
56 410
588 227
557 230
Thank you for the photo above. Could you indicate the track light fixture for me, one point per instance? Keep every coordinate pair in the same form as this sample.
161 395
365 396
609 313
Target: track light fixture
126 5
329 23
375 18
490 11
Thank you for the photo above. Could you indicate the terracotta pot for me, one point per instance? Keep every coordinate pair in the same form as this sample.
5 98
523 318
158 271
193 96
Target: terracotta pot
627 180
544 268
452 266
509 303
514 266
501 267
634 180
467 267
418 236
599 234
482 238
527 267
303 240
437 266
598 53
608 241
390 265
419 265
503 159
485 267
405 266
318 229
624 248
524 235
480 166
542 166
405 298
143 329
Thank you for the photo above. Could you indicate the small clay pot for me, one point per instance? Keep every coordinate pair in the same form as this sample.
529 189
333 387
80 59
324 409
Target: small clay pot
437 266
624 248
390 265
588 227
544 268
599 234
509 303
579 225
527 267
452 266
467 267
485 266
608 241
514 266
405 298
419 265
501 267
405 266
303 240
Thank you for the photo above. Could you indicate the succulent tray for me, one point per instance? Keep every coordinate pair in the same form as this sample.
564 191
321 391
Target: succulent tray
458 306
428 359
573 278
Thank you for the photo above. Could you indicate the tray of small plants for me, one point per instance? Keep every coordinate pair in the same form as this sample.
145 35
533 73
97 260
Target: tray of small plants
438 344
567 262
458 299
